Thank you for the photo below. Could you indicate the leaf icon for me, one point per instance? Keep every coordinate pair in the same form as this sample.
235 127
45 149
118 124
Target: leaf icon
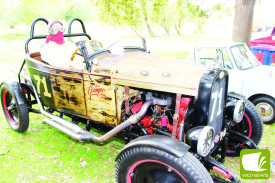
261 163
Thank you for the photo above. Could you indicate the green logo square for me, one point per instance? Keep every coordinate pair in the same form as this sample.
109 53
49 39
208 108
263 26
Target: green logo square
255 164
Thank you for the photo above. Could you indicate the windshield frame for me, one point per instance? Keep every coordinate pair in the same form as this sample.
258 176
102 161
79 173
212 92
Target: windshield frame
244 59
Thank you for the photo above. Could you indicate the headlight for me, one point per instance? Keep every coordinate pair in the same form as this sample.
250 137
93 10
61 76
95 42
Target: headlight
201 139
235 110
239 111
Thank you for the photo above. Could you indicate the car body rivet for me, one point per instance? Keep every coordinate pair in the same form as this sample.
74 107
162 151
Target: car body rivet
169 169
132 174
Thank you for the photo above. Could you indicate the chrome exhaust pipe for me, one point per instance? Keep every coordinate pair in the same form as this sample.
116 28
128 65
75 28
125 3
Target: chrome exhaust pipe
64 129
86 136
64 122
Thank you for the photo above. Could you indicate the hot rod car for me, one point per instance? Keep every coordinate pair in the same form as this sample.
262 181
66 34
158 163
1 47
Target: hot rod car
176 116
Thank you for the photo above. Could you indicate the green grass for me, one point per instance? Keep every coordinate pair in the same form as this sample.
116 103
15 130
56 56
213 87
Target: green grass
43 154
12 36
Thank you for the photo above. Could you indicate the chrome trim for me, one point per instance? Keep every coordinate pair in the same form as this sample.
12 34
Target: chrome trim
238 111
205 142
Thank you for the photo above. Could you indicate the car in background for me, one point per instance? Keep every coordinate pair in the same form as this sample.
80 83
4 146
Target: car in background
270 31
247 76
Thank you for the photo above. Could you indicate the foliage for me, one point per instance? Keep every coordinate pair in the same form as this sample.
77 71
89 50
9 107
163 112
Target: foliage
10 12
220 11
161 14
136 14
79 9
120 12
14 12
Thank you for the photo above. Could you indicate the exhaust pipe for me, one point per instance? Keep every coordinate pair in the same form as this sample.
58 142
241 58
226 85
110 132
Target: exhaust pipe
77 129
79 133
87 136
62 128
132 120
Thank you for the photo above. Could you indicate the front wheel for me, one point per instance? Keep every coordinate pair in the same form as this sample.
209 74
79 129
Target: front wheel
144 164
266 108
250 126
14 106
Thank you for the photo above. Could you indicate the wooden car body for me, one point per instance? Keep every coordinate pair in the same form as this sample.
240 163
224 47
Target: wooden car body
98 95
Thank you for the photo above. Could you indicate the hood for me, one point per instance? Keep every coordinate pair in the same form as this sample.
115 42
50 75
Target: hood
153 72
262 71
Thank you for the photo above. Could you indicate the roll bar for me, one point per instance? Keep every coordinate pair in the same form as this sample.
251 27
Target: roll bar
68 34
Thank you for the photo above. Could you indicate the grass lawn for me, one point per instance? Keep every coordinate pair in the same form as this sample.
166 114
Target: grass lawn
43 154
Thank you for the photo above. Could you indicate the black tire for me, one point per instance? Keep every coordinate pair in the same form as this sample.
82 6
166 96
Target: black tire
14 106
144 164
251 126
29 94
266 107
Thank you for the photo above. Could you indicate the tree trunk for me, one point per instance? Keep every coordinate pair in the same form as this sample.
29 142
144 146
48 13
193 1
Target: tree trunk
243 21
148 26
179 27
165 27
135 30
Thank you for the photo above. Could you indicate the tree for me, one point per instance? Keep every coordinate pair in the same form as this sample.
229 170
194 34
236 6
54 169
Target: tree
145 6
187 10
243 19
160 14
133 13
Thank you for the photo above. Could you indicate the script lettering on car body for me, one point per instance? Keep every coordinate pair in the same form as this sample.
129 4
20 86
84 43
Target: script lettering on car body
96 90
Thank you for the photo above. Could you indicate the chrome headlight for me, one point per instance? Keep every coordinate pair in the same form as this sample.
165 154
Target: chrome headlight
201 139
239 111
235 110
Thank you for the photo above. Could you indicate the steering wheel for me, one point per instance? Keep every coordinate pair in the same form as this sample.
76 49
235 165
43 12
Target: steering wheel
93 46
95 41
72 57
84 51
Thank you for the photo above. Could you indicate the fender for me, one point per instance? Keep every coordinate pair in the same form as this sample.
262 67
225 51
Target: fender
236 95
164 143
18 92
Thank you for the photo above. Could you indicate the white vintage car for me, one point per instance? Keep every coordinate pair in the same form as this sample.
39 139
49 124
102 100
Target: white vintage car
247 76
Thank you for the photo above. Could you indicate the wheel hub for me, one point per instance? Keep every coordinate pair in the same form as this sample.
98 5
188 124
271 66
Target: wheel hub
265 110
155 173
11 107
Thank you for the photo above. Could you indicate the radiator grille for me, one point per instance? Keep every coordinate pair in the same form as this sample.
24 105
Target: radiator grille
217 102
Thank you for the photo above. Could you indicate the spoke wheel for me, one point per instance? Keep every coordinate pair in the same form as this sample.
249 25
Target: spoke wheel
16 113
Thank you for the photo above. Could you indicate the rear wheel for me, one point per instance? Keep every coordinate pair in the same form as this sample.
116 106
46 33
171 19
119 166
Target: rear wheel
144 164
251 126
29 94
14 106
266 108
